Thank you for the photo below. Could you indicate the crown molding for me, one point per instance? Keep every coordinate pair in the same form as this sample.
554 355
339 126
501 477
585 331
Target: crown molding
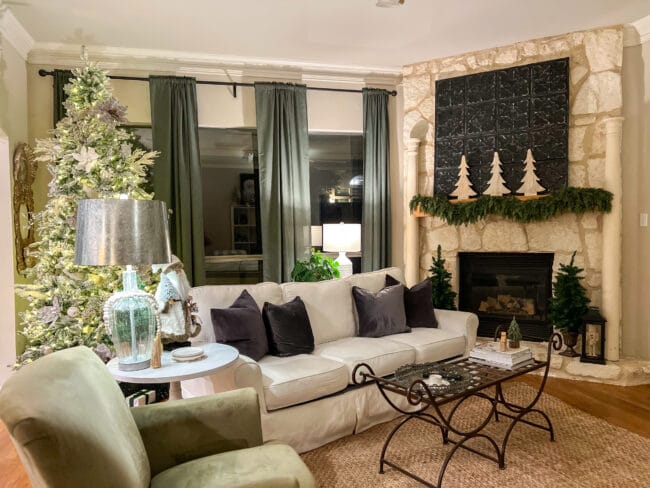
637 32
210 66
15 33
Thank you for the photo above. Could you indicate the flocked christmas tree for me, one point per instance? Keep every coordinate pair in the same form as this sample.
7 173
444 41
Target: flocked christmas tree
463 186
530 180
443 295
496 185
89 156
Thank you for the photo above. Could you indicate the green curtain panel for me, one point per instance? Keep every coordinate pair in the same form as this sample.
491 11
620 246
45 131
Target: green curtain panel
375 233
283 147
177 171
61 78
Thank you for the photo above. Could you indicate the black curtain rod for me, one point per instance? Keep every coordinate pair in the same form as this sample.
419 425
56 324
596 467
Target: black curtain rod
234 84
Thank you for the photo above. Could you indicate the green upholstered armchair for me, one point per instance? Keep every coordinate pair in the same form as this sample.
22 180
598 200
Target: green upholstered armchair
72 428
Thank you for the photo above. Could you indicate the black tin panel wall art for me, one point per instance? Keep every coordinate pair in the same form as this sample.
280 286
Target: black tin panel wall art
508 111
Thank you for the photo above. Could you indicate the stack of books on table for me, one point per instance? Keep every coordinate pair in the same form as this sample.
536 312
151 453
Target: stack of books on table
489 353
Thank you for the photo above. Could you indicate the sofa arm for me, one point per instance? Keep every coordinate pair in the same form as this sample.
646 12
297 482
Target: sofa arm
464 323
179 431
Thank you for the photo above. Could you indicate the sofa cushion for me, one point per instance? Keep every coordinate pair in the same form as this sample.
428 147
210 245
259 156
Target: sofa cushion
221 296
329 306
288 328
297 379
380 313
431 344
241 327
418 303
374 280
382 355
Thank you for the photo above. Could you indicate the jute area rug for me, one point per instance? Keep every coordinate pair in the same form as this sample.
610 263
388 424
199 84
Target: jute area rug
587 452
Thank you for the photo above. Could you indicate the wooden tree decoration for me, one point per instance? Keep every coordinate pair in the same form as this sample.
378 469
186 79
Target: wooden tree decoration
463 189
496 185
530 186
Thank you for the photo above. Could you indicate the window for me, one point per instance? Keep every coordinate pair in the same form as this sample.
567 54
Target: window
231 224
230 177
336 183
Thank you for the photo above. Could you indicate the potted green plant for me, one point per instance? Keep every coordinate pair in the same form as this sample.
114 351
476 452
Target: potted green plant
316 268
569 304
514 334
443 295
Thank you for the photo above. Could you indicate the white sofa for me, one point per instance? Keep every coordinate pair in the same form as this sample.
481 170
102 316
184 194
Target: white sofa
309 400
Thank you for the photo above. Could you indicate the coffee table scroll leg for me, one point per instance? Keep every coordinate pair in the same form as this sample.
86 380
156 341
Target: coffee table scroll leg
554 343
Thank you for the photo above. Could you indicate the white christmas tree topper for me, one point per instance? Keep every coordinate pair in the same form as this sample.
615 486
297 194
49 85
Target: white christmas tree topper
463 189
496 185
530 186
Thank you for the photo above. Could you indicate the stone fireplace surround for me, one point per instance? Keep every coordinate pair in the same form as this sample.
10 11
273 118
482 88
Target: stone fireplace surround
595 126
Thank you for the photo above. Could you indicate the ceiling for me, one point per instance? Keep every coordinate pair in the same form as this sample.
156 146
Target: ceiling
329 32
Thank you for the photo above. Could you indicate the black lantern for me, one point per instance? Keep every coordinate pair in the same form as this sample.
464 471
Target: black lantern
593 337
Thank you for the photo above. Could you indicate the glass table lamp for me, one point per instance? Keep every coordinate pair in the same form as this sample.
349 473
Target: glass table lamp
342 238
125 232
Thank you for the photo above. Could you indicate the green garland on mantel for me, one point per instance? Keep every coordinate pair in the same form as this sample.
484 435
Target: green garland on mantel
568 200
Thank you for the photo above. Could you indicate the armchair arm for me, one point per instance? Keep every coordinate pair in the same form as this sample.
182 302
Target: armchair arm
464 323
179 431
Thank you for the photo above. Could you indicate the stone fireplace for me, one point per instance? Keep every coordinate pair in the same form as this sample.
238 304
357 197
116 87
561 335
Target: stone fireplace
595 125
500 286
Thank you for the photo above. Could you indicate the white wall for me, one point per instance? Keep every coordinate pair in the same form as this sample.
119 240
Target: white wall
636 200
13 129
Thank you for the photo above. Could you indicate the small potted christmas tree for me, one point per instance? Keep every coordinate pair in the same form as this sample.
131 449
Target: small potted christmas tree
568 304
514 334
443 295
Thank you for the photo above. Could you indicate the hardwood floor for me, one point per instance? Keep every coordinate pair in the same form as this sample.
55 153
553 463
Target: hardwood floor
624 406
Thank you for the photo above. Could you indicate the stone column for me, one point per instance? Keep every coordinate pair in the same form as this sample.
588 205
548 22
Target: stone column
612 238
411 233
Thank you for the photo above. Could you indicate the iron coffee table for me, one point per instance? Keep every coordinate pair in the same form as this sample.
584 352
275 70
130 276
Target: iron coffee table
466 379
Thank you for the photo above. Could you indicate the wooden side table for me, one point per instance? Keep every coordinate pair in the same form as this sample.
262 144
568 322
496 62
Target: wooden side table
218 356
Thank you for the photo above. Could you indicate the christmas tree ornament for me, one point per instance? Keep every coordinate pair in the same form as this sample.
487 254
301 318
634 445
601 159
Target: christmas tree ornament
464 188
496 184
530 182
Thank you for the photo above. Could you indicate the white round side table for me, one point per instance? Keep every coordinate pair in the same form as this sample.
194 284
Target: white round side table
217 356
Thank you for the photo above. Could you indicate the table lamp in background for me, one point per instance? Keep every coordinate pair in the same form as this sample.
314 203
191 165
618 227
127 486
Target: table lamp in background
125 232
342 238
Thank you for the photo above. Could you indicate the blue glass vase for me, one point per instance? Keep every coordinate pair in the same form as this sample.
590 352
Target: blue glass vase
130 316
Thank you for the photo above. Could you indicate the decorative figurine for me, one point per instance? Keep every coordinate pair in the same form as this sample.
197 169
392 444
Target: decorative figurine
178 318
504 342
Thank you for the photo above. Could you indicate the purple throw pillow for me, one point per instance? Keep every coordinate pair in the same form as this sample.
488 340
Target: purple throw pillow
288 328
418 303
241 327
380 313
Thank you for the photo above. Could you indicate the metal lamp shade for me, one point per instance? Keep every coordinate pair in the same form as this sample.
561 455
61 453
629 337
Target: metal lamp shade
121 232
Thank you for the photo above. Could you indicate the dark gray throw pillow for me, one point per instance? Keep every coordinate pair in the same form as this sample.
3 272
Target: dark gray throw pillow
418 303
241 327
380 313
288 328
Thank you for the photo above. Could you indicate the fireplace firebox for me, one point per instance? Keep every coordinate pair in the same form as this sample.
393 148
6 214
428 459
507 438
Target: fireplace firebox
498 286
